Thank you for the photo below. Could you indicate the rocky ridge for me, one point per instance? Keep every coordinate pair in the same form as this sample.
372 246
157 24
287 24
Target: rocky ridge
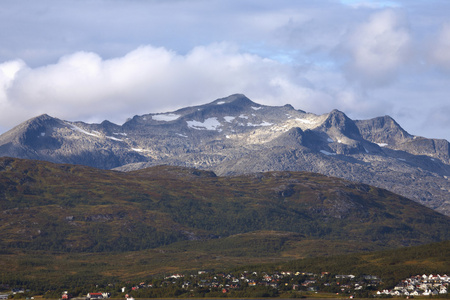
234 135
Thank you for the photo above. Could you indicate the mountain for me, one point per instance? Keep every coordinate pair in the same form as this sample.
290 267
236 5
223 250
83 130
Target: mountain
234 135
58 207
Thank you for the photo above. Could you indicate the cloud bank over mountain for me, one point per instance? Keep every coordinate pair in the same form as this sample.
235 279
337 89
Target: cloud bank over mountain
90 61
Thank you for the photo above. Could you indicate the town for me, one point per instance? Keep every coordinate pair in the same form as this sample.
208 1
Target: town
420 285
253 284
285 284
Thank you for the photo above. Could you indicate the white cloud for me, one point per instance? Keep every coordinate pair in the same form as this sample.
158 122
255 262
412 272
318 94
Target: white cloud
83 86
369 4
378 49
440 52
8 73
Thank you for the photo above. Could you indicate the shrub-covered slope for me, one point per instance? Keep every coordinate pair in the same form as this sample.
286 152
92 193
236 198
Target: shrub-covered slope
46 206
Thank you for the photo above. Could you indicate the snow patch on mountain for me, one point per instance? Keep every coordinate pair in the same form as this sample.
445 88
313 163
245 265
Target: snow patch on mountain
208 124
306 121
166 117
229 119
326 152
76 128
114 138
120 133
262 124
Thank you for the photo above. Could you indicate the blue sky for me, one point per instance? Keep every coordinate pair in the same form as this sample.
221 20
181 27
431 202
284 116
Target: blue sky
92 60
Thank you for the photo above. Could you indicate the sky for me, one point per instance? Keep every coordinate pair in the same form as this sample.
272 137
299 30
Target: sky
95 60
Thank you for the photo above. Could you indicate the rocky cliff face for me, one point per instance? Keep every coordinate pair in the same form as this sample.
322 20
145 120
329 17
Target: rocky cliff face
234 135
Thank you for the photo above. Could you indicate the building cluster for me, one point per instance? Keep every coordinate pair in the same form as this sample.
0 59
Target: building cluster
420 285
282 281
279 283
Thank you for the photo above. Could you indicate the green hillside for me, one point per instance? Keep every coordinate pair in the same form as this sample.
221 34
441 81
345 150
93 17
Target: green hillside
74 208
67 221
41 272
390 265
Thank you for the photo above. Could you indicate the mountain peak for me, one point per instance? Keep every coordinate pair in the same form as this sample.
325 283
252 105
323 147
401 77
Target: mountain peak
24 128
336 114
39 120
236 100
42 120
42 117
232 105
337 121
383 130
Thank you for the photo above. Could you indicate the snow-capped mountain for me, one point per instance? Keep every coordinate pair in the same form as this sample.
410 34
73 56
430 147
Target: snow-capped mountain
234 135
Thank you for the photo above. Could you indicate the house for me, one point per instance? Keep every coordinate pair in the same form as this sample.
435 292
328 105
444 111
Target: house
345 276
95 295
18 291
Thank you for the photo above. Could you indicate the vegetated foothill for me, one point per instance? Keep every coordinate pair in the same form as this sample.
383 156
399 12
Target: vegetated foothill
175 218
48 206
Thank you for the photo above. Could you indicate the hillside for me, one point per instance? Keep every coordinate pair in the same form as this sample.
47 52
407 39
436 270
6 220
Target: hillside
234 136
390 265
80 224
49 206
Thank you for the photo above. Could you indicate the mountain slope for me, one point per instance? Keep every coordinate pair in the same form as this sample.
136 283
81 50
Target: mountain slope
46 206
234 135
